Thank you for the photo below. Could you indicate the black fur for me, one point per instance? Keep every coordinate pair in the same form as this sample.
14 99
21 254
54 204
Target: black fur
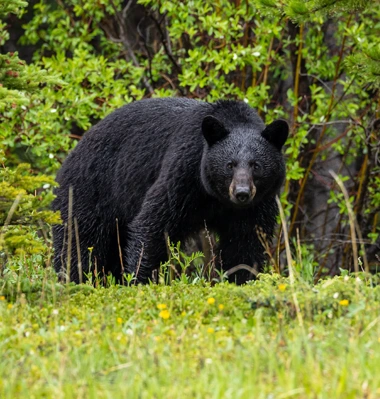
149 166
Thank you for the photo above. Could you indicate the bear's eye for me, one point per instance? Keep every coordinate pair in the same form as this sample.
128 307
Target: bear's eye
254 165
230 165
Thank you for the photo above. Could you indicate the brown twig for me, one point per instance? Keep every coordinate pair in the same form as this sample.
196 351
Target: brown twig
78 250
120 251
297 76
139 262
242 266
328 115
123 38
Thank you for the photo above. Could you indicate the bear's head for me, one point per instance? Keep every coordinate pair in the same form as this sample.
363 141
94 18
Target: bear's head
242 162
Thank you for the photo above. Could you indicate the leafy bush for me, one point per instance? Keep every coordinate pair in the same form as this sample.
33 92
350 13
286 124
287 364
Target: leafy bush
25 196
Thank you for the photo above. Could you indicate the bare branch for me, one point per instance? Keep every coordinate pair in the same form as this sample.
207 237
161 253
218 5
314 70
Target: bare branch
120 18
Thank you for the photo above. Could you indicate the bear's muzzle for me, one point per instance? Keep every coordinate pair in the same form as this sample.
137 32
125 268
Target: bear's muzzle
242 189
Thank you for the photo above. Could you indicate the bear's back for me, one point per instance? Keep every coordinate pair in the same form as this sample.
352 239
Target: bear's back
119 158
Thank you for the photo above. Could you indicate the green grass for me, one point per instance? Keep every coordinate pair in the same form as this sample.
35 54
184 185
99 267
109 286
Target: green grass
191 341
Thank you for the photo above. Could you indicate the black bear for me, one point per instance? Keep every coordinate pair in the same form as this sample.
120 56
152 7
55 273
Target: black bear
169 166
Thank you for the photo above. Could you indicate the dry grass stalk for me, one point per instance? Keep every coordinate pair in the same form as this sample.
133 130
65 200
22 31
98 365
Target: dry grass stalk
69 234
78 251
351 219
120 251
290 261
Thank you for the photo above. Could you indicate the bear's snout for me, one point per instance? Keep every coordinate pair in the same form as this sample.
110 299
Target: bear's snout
242 190
242 194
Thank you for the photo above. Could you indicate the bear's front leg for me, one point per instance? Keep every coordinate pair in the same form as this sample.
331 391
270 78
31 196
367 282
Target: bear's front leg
146 246
239 244
241 237
161 214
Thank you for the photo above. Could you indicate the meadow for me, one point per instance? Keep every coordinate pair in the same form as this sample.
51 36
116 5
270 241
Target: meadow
271 338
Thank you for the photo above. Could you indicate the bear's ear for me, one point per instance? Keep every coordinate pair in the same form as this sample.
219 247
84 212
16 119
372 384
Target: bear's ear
213 130
276 133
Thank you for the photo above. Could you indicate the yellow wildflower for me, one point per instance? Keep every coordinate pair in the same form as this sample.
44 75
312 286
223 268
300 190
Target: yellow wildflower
119 320
90 248
282 287
221 307
164 314
2 298
10 306
344 302
161 306
211 301
183 314
210 330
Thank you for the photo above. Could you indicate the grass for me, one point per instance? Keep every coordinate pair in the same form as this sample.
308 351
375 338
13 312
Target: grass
190 340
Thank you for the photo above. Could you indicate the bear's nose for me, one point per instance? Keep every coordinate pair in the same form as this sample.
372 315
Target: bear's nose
242 194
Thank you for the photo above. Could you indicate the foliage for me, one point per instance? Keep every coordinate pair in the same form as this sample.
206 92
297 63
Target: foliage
22 208
24 195
179 266
366 66
15 77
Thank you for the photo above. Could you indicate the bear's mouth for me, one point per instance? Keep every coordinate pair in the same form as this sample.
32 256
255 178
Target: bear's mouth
239 205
